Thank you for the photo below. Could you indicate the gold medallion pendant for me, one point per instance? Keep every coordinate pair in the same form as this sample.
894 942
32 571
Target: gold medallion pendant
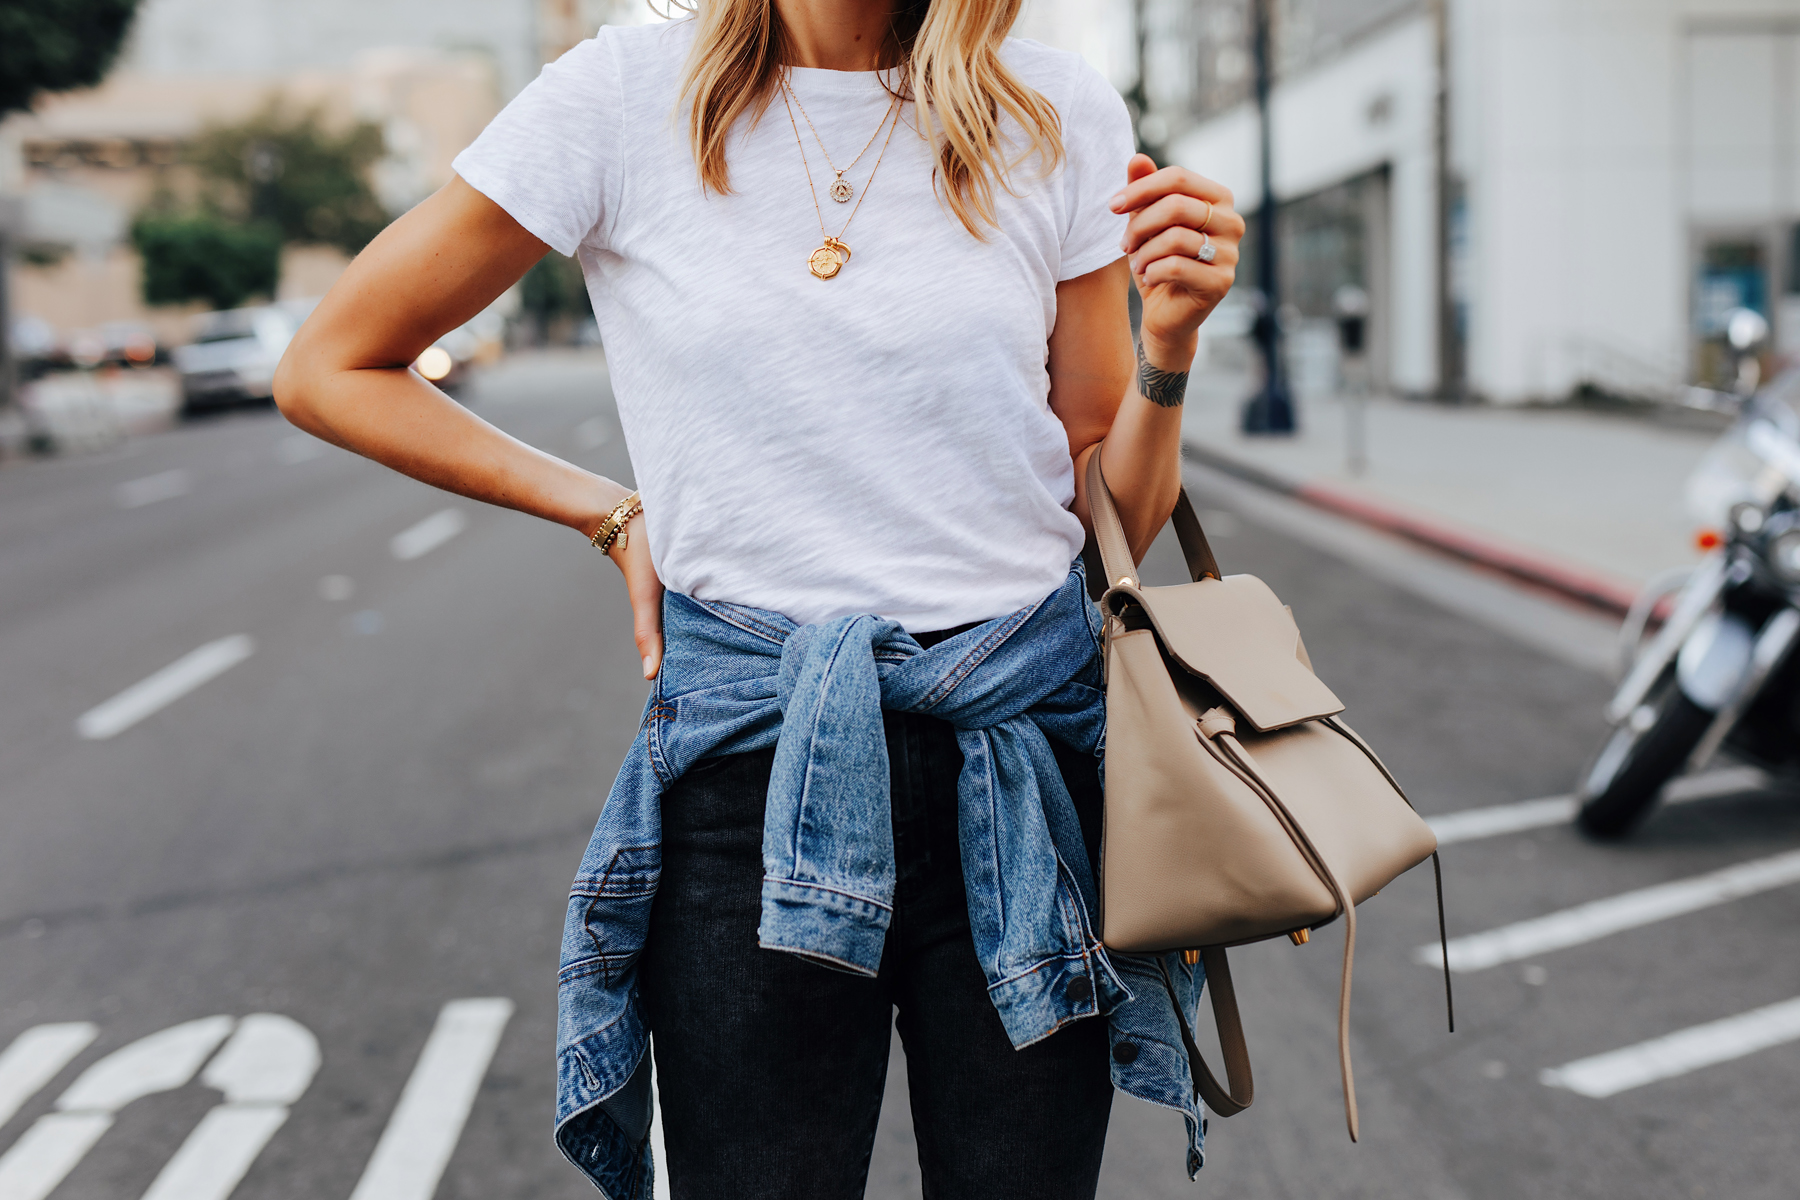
841 191
829 259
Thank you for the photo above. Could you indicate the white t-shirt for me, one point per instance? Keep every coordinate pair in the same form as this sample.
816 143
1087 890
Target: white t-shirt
878 442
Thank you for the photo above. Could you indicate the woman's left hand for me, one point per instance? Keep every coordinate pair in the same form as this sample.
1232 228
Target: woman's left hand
1174 214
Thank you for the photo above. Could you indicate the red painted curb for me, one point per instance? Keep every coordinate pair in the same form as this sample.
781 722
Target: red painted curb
1609 595
1595 590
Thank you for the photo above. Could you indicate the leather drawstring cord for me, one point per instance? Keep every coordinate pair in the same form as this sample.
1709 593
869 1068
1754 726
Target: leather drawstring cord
1437 875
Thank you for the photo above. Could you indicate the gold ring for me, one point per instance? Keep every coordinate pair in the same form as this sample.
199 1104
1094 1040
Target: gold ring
1209 213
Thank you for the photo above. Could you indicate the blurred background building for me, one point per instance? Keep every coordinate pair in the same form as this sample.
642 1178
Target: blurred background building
1611 177
1618 177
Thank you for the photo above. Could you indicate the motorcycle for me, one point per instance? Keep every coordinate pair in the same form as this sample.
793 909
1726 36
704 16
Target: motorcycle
1721 673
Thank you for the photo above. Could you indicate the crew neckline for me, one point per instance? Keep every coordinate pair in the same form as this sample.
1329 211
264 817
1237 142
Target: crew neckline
826 79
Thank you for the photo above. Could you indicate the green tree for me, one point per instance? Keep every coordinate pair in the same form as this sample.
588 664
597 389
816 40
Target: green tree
203 256
55 45
289 170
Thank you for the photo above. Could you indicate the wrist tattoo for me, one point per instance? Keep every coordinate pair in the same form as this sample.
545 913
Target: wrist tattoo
1165 389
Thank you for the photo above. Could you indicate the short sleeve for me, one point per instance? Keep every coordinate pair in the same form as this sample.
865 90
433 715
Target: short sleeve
552 157
1098 141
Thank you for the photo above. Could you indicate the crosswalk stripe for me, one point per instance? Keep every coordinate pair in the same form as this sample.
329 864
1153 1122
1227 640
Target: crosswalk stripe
160 1062
158 691
35 1057
1629 910
1472 824
1678 1053
426 536
428 1120
263 1069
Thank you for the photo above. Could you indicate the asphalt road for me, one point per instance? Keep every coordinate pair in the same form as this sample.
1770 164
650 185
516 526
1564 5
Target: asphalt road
368 797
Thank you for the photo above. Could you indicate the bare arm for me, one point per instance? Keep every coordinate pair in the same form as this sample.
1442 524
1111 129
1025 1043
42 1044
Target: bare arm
1125 403
345 378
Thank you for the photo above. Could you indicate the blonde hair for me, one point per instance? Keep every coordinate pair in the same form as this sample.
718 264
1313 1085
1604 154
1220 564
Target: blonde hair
948 52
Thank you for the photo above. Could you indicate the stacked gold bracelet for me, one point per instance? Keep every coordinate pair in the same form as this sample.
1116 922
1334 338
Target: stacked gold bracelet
613 528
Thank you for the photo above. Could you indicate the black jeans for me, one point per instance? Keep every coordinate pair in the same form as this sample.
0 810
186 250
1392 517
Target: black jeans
771 1068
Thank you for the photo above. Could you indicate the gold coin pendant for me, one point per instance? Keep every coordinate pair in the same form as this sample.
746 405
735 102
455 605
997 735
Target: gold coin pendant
825 262
841 191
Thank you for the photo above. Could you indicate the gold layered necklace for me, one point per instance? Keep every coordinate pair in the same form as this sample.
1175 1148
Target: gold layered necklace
834 252
840 189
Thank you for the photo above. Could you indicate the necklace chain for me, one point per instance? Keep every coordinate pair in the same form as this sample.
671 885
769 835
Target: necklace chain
831 256
840 189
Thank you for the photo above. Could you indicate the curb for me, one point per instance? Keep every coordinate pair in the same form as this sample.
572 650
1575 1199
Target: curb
1584 587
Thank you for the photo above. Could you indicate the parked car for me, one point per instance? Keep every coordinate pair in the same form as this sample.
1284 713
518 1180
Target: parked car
232 359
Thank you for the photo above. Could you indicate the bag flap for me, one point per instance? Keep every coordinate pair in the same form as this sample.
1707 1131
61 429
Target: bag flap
1235 634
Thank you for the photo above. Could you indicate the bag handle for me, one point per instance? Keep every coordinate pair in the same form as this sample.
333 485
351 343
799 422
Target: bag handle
1109 533
1241 1091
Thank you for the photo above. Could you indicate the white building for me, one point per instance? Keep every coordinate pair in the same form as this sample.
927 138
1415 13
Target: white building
1624 171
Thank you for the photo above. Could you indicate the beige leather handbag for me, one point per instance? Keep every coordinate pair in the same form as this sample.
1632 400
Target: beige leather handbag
1239 806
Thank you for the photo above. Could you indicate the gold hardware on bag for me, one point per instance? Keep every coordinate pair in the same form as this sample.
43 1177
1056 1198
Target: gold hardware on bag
1300 937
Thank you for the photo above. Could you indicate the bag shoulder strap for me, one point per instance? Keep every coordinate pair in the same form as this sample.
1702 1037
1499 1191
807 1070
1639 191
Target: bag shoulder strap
1241 1090
1109 533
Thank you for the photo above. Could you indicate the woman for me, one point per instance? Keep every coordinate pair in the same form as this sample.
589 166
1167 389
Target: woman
866 776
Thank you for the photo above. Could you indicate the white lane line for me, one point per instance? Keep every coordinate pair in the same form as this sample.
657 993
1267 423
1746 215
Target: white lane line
164 485
426 1123
1614 914
35 1057
165 687
263 1069
428 534
1679 1052
298 448
660 1187
160 1062
1472 824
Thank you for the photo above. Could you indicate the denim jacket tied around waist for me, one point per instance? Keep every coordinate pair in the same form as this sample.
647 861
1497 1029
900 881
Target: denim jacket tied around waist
735 679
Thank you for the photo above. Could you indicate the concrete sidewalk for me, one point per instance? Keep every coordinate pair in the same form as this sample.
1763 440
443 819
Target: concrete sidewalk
1590 505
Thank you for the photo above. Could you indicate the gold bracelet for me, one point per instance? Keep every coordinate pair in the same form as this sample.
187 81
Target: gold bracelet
613 528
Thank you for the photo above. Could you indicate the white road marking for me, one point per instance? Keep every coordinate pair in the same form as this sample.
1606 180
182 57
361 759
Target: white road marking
159 1062
165 687
428 1120
298 448
1629 910
35 1057
592 433
1679 1052
164 485
1473 824
263 1069
428 534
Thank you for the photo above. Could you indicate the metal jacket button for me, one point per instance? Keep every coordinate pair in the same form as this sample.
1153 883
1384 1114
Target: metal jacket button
1079 989
1125 1053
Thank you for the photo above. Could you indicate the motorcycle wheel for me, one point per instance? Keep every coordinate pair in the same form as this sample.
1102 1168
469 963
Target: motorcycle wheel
1647 749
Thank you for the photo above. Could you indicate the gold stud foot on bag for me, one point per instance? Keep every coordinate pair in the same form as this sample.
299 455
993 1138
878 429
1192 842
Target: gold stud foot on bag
1239 806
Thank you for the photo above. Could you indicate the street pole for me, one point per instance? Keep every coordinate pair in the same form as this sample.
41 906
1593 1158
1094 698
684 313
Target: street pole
1271 410
1449 340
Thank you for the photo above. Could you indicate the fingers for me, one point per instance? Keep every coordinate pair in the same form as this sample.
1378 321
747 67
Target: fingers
1208 282
1140 166
1182 242
1221 223
646 592
1143 190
